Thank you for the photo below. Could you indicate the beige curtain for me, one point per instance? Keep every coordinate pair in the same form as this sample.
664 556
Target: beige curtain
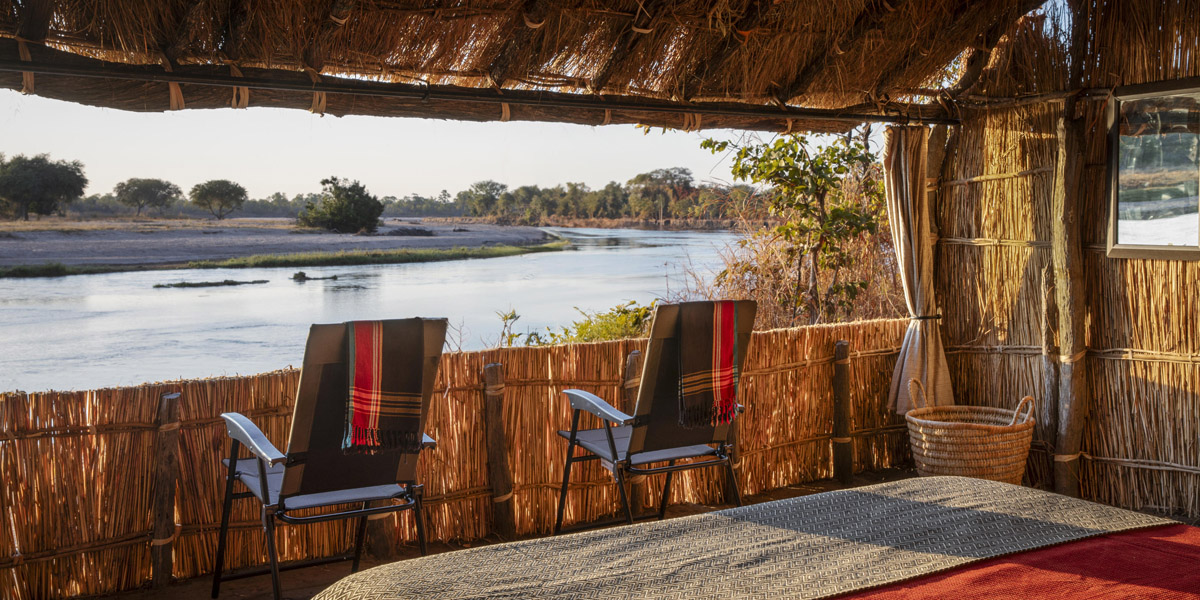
921 355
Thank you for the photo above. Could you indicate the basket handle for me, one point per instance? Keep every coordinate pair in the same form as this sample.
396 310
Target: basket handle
914 386
1027 404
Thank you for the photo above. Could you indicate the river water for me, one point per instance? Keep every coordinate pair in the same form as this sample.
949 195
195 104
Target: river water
90 331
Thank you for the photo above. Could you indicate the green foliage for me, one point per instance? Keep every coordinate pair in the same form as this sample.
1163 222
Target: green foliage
218 196
416 205
38 185
827 196
147 193
345 207
651 193
629 320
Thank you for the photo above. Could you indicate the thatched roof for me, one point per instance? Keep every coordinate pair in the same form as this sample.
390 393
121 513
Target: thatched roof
753 64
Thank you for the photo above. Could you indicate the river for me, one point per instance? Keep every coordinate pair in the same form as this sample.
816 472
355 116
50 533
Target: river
90 331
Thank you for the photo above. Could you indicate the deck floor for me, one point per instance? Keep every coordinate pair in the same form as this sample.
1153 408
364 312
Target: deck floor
302 584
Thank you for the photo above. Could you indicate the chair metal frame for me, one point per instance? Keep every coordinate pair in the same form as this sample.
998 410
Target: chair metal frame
582 401
244 433
718 448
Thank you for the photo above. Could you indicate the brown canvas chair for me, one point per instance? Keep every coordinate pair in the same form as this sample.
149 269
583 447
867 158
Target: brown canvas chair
315 472
653 434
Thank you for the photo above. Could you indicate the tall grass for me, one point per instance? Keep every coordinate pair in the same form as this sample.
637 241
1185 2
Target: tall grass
759 268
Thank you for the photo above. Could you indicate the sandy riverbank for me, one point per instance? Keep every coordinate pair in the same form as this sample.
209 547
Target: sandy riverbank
153 243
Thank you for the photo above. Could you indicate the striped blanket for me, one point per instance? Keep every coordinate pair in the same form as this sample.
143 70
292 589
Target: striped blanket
383 410
708 360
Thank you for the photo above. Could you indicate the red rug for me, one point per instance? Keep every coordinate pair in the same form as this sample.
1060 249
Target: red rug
1161 563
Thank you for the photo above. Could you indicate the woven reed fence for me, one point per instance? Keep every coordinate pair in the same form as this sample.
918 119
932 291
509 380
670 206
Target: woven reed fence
1141 436
77 468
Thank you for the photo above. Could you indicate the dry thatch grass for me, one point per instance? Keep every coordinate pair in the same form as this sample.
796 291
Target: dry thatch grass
833 55
77 468
1141 442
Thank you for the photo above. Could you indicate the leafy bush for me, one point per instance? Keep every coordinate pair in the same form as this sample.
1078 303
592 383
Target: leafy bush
344 208
629 320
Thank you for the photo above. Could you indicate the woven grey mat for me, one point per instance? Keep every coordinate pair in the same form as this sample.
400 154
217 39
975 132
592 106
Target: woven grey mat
807 547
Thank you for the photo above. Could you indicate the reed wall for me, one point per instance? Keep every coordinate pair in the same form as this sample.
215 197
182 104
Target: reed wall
1142 431
77 468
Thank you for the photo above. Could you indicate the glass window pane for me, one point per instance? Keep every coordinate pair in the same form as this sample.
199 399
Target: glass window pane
1158 202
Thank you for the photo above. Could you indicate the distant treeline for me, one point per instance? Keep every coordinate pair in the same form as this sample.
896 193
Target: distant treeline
656 195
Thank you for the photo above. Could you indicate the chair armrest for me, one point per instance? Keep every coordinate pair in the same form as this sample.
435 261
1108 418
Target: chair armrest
587 401
245 431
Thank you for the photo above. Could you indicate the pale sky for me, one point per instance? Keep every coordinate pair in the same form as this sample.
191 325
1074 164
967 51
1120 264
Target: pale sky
269 150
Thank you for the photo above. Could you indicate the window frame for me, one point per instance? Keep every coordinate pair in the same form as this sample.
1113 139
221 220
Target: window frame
1126 94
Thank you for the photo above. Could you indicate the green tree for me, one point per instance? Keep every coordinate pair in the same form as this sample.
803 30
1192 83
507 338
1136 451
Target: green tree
811 189
482 197
218 196
38 185
146 193
654 192
345 207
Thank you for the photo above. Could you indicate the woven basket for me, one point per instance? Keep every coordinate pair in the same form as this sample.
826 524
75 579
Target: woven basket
971 441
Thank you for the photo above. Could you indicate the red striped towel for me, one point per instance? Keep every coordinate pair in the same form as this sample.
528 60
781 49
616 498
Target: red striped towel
708 374
384 407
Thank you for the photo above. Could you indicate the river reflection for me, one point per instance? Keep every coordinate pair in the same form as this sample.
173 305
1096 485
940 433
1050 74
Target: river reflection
102 330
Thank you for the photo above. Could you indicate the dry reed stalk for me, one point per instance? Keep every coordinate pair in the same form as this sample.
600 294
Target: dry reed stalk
734 51
1141 314
69 458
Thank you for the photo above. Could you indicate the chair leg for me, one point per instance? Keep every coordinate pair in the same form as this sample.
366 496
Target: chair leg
419 519
269 526
226 507
619 471
562 496
666 495
359 539
731 480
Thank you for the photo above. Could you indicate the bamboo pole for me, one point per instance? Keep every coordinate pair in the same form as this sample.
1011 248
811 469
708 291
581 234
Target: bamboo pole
166 474
843 443
1049 405
1067 257
503 508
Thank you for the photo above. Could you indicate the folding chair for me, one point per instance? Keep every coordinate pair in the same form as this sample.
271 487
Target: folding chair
627 444
316 472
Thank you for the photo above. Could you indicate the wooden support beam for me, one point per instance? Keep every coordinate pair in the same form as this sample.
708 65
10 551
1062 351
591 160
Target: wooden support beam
55 62
34 16
34 23
627 42
504 516
824 54
843 444
1066 253
735 38
381 531
166 475
633 380
532 17
184 30
314 54
978 58
237 24
1048 406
